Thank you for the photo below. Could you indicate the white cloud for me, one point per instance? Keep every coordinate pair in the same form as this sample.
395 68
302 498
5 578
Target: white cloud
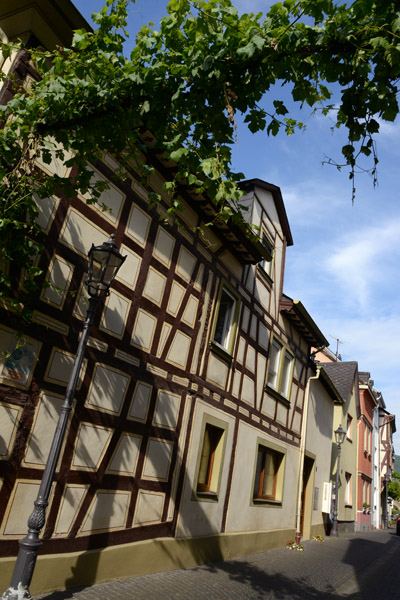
374 344
388 129
360 265
348 283
311 201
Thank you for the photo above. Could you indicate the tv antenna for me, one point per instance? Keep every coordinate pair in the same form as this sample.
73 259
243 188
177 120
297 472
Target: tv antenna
338 341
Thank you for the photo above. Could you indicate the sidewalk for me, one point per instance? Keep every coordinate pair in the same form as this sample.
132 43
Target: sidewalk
357 566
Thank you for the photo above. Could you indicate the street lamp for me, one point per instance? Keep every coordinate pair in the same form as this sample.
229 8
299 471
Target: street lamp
104 262
339 438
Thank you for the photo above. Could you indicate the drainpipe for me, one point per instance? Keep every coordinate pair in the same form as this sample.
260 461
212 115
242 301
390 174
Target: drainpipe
301 455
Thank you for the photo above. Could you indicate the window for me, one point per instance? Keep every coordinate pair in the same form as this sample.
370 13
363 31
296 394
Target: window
265 264
226 320
349 432
280 368
210 460
367 439
347 492
268 480
366 496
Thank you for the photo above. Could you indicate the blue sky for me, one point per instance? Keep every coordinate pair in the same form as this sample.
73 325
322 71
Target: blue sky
345 260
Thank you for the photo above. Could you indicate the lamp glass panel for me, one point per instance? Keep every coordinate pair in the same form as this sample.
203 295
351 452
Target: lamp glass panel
340 435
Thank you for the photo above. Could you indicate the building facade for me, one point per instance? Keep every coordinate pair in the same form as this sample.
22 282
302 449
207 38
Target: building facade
184 443
202 426
365 453
344 376
387 427
321 396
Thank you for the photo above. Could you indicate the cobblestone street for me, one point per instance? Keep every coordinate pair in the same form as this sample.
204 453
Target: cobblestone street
356 566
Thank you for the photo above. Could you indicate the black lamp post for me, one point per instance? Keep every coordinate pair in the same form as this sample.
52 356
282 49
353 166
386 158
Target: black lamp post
104 262
339 438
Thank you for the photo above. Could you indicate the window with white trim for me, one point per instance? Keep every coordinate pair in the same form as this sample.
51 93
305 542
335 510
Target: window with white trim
268 479
280 368
265 264
210 459
209 464
349 432
225 322
348 492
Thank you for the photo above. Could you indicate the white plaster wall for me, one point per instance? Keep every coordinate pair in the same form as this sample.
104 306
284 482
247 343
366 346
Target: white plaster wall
348 458
242 516
200 518
266 200
319 439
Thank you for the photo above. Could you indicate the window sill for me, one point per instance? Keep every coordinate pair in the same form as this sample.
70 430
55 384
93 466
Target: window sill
206 496
264 501
277 396
221 352
349 439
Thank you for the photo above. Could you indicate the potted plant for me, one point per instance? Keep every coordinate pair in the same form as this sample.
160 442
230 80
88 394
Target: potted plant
366 507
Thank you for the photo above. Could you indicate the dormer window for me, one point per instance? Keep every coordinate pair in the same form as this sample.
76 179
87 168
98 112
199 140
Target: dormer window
265 264
225 322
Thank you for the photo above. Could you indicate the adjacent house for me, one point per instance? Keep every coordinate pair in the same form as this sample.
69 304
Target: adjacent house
383 428
344 376
368 403
387 427
316 490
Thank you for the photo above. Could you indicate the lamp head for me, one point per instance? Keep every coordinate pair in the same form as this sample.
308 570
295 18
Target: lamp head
104 263
340 434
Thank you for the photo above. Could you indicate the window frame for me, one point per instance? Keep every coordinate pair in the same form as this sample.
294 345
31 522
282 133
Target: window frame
278 460
214 471
349 428
283 377
348 492
225 350
266 266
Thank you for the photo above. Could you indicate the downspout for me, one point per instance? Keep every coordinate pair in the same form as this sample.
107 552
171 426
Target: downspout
301 455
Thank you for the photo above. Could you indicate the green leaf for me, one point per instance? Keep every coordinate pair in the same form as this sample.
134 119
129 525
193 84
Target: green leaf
396 24
247 51
280 108
192 180
176 155
273 127
377 42
145 108
169 186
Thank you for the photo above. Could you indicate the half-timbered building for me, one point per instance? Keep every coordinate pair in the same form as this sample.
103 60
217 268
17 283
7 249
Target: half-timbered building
184 444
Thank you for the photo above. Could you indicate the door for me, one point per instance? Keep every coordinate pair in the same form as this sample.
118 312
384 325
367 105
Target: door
307 497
